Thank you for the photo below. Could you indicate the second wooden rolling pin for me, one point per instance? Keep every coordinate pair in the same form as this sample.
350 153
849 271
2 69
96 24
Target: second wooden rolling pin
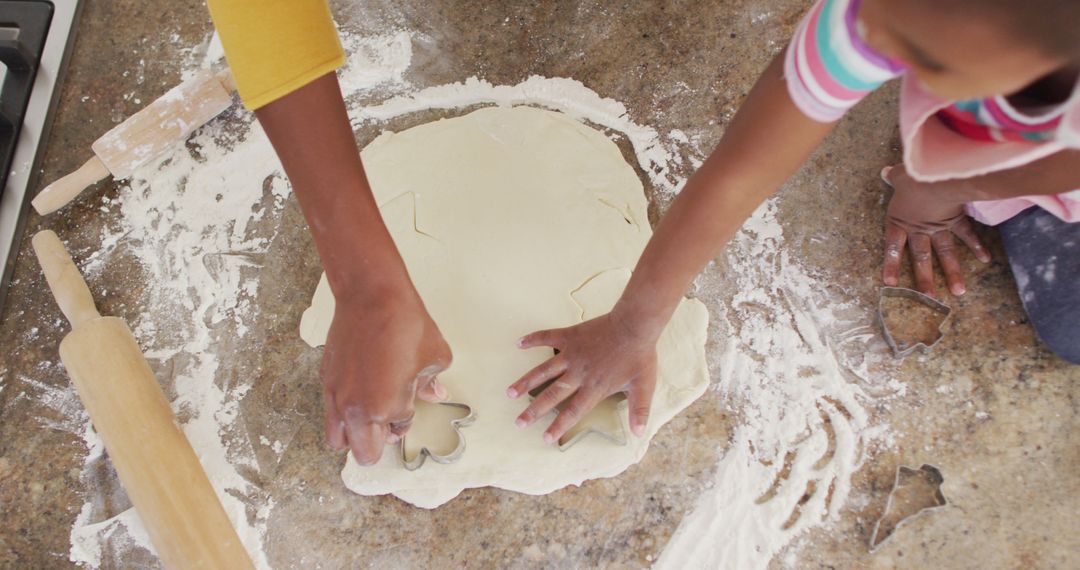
144 136
155 462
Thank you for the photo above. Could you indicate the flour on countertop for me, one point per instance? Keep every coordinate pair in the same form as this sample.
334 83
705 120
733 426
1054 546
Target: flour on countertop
187 220
375 61
568 96
802 373
206 55
189 217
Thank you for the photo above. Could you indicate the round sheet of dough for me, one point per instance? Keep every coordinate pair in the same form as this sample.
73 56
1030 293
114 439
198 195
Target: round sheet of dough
512 220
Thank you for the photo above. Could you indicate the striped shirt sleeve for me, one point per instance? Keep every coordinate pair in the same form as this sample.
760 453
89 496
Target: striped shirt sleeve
828 67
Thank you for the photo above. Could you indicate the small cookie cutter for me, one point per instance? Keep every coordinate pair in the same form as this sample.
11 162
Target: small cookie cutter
416 462
900 351
618 436
939 498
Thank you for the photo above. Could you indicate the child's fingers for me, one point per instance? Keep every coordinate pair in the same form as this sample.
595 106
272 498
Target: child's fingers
895 238
552 396
547 370
367 440
639 398
401 426
541 338
966 232
334 425
945 247
580 404
922 262
433 391
889 172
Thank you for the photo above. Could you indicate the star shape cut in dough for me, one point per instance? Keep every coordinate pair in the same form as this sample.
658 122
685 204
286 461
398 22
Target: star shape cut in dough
605 420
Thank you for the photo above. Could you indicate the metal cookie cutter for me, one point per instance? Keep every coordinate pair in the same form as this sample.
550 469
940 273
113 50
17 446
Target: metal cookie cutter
615 434
615 431
902 472
416 462
900 350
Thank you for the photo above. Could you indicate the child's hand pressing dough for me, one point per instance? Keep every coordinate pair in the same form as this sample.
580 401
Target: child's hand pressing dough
596 359
379 357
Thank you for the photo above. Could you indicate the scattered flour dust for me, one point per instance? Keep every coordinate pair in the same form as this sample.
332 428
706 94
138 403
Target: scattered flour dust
189 218
802 376
374 61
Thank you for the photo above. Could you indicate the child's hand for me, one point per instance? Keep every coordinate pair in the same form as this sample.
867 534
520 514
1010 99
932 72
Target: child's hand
924 217
596 359
379 357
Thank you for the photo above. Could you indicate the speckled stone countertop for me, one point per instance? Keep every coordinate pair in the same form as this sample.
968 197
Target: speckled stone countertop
994 410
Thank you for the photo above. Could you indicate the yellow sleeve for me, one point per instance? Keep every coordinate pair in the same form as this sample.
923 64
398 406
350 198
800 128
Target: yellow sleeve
276 46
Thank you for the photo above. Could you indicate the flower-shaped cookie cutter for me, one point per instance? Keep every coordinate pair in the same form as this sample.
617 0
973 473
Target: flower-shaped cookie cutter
424 453
901 350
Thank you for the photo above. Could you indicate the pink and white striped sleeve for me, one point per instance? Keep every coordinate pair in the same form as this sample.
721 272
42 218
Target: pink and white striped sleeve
828 67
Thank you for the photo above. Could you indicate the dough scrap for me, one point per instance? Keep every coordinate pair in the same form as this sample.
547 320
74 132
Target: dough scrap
512 220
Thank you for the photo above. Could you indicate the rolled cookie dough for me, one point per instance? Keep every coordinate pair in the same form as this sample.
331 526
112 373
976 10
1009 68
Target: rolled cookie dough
512 220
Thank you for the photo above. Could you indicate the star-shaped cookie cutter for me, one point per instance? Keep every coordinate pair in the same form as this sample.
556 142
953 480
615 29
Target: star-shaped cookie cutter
416 462
901 350
616 435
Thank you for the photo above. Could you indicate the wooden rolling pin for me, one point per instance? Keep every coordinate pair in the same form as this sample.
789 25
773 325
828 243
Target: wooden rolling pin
155 462
143 136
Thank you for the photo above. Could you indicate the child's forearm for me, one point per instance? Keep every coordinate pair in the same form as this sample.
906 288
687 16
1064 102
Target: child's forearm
311 133
1055 174
767 141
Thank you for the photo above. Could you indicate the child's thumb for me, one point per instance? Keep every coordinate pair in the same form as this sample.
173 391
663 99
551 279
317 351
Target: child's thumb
885 175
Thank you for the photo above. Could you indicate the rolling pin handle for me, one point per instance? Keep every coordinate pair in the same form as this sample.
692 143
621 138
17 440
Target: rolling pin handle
60 193
65 281
225 77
